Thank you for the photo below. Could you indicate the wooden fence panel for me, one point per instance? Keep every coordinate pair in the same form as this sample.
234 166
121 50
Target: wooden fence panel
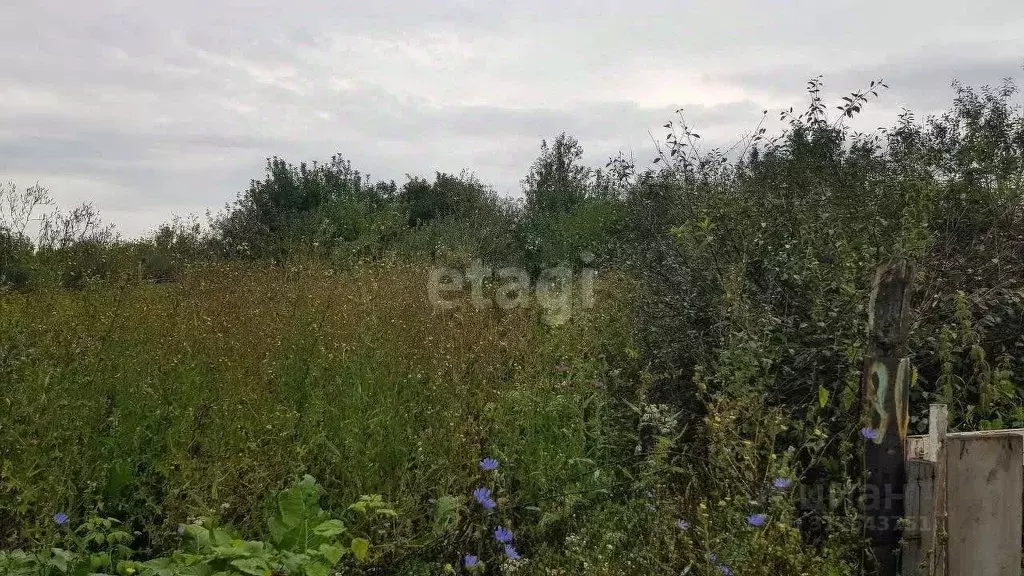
985 483
920 515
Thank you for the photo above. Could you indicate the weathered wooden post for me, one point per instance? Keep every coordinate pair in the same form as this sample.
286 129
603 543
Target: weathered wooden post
938 425
924 550
885 391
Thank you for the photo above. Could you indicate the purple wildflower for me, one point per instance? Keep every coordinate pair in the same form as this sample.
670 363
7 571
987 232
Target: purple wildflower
510 551
725 570
869 433
682 524
470 561
756 520
503 535
483 496
488 464
782 484
60 518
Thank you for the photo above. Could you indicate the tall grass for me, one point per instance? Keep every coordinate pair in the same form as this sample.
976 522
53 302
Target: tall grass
157 403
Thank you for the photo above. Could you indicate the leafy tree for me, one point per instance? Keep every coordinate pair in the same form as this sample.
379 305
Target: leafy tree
459 195
305 205
422 202
558 181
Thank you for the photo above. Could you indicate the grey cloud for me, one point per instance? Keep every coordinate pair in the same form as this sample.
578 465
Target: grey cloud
171 106
923 81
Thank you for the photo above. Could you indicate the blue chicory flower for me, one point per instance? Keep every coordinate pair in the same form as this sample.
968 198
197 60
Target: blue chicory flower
60 518
488 464
725 570
682 524
470 561
483 496
756 520
869 433
782 483
503 535
511 552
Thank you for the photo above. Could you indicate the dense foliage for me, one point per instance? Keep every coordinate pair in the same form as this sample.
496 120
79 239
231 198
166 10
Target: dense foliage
702 417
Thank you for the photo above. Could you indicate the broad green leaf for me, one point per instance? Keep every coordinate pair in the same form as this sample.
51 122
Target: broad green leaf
119 537
60 559
360 549
331 553
277 529
316 570
329 529
822 396
198 533
446 513
253 566
159 563
291 507
230 551
221 538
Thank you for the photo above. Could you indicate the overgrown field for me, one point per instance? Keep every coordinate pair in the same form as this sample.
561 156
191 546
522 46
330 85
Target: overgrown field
158 404
139 419
277 393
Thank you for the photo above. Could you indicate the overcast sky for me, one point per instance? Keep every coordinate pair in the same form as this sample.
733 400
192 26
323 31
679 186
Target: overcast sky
150 109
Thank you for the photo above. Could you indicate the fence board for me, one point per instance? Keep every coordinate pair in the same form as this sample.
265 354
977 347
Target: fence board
985 481
920 515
